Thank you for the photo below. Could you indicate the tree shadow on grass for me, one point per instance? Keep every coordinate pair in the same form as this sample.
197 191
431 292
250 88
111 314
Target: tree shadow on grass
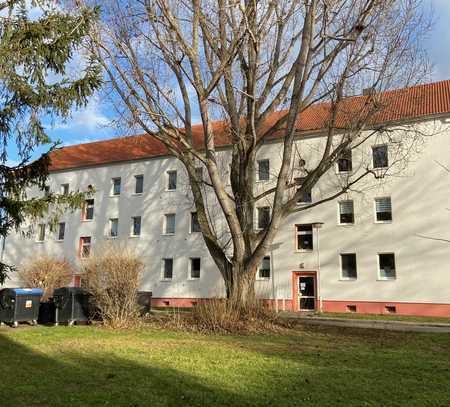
33 379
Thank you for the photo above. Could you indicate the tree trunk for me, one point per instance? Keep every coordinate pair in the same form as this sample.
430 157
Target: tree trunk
240 286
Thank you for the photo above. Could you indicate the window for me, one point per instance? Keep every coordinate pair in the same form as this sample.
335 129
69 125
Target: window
46 191
85 246
380 156
386 262
306 196
88 213
195 226
304 237
263 217
169 223
171 180
199 173
116 186
41 232
61 230
113 227
139 184
383 209
167 269
263 170
65 189
348 266
136 226
346 213
345 161
194 268
264 270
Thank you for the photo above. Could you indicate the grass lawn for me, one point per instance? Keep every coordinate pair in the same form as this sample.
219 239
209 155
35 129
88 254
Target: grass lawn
89 366
384 317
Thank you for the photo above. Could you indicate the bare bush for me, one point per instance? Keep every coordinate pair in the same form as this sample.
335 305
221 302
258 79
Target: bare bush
46 272
113 277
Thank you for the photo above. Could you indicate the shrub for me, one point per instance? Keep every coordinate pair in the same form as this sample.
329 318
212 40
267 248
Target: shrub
113 277
46 272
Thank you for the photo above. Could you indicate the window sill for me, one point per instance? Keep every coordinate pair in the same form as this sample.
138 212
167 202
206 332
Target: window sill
59 240
387 279
111 237
346 173
87 220
170 190
348 279
304 203
304 251
134 236
346 224
165 280
39 241
194 233
193 278
114 196
261 181
137 194
262 278
382 222
168 234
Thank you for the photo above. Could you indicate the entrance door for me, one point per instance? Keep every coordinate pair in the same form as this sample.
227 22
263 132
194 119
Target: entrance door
306 293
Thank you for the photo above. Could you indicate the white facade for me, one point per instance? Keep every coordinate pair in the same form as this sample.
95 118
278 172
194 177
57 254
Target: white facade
419 192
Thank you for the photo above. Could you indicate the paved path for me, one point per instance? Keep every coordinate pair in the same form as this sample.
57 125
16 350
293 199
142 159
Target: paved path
401 326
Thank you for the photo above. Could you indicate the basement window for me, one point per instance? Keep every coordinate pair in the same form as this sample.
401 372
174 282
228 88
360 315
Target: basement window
351 308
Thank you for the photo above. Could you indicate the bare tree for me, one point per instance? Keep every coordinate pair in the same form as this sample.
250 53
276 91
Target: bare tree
258 65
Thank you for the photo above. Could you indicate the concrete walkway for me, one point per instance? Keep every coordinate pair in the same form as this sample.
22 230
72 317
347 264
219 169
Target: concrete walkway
402 326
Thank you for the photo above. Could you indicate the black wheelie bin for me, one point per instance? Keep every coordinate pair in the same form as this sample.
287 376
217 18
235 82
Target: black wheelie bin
20 305
72 305
144 300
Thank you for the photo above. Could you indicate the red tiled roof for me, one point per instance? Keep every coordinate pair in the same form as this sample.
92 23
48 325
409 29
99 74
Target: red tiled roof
401 104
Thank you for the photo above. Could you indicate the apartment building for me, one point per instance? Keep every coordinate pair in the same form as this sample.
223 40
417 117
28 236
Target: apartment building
379 248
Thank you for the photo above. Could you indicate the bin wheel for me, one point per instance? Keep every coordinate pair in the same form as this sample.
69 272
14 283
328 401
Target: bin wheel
71 323
56 323
15 324
34 322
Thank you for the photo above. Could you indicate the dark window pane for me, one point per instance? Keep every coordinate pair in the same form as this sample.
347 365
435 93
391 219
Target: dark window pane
346 212
195 267
380 156
116 186
263 170
170 223
136 226
139 187
168 269
89 209
263 217
61 231
387 265
114 227
383 209
264 271
345 161
348 262
195 226
304 237
172 180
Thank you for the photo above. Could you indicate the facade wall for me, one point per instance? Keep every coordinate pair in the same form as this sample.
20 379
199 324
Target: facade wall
420 196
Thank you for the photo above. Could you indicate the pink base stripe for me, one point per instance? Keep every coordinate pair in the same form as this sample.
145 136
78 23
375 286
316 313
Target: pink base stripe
363 307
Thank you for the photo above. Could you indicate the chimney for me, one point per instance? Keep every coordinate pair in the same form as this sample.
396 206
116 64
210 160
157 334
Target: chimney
368 91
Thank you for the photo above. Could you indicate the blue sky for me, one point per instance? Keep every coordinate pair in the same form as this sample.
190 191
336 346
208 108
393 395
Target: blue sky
91 123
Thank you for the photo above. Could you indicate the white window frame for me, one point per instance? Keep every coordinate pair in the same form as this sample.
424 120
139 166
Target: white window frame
41 227
132 226
63 189
258 171
373 156
351 161
375 210
163 263
168 172
59 230
258 275
339 213
165 233
113 180
135 184
85 210
341 276
111 221
379 268
190 268
297 233
81 245
190 223
257 215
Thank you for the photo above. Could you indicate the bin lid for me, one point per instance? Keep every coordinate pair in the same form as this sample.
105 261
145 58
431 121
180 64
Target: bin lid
31 291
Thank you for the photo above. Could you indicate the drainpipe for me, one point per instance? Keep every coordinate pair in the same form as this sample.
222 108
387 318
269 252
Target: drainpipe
318 226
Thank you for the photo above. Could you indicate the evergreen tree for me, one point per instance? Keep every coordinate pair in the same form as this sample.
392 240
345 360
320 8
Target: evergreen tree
35 86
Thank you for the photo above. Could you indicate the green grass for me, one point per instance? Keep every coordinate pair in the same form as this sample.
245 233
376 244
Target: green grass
90 366
384 317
